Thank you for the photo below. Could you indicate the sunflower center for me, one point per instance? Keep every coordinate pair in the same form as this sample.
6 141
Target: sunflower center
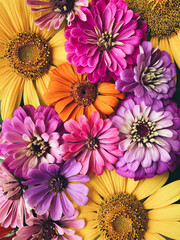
162 16
143 131
62 6
58 184
48 231
29 55
84 93
92 143
122 216
37 147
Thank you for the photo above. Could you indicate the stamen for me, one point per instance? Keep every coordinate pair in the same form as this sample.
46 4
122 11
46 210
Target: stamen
92 143
59 183
37 147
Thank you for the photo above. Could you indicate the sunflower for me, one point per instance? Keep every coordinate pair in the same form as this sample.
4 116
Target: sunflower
73 95
26 56
120 208
163 20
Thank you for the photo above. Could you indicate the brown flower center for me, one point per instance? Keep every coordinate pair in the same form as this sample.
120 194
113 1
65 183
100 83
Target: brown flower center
29 55
48 231
59 183
84 93
62 6
37 147
122 216
92 143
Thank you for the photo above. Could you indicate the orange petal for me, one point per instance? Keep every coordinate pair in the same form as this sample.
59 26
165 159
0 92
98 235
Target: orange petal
62 104
66 71
112 101
89 110
80 111
64 115
102 107
52 97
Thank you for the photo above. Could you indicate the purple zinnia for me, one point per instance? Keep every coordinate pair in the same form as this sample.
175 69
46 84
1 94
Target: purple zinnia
150 139
107 42
51 183
152 77
43 227
30 137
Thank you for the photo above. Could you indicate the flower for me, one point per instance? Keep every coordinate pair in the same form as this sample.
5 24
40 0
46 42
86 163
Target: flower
152 78
73 95
26 56
13 209
163 20
93 143
50 184
118 208
5 231
31 136
149 138
58 11
43 227
107 42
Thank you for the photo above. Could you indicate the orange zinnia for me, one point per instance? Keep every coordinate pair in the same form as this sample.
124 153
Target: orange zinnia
73 95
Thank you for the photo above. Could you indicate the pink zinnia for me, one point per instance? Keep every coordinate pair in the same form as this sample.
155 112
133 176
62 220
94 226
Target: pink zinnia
12 204
93 143
32 136
58 11
107 42
43 227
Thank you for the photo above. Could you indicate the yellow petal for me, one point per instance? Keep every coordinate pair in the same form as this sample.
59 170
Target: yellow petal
164 45
131 185
153 236
169 213
168 229
30 95
164 196
2 50
58 51
175 47
150 185
12 97
42 85
118 182
154 41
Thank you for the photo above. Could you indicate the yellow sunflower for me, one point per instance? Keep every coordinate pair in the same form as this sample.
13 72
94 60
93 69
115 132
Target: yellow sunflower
163 20
26 56
120 208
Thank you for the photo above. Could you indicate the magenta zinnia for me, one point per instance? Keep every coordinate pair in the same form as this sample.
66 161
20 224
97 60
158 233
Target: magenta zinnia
93 143
107 42
149 138
58 11
43 227
31 136
13 210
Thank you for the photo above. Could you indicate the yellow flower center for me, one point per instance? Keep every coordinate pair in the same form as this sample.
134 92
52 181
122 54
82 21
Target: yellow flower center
29 55
161 16
84 92
122 216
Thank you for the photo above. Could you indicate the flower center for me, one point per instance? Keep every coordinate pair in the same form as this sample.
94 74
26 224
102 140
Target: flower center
84 93
92 143
106 41
37 147
62 6
143 131
122 216
59 183
29 55
162 16
48 231
151 76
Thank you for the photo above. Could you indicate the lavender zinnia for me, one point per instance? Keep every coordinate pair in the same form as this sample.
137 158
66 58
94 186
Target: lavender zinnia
152 77
149 139
50 185
30 137
107 42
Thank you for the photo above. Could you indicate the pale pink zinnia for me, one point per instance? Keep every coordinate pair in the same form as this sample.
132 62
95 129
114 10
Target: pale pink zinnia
43 227
13 210
58 11
93 143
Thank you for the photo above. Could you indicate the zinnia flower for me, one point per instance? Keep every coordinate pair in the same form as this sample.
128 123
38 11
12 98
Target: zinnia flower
6 231
13 210
149 138
58 11
163 20
27 54
43 227
50 185
73 95
152 78
107 42
31 136
120 208
93 143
